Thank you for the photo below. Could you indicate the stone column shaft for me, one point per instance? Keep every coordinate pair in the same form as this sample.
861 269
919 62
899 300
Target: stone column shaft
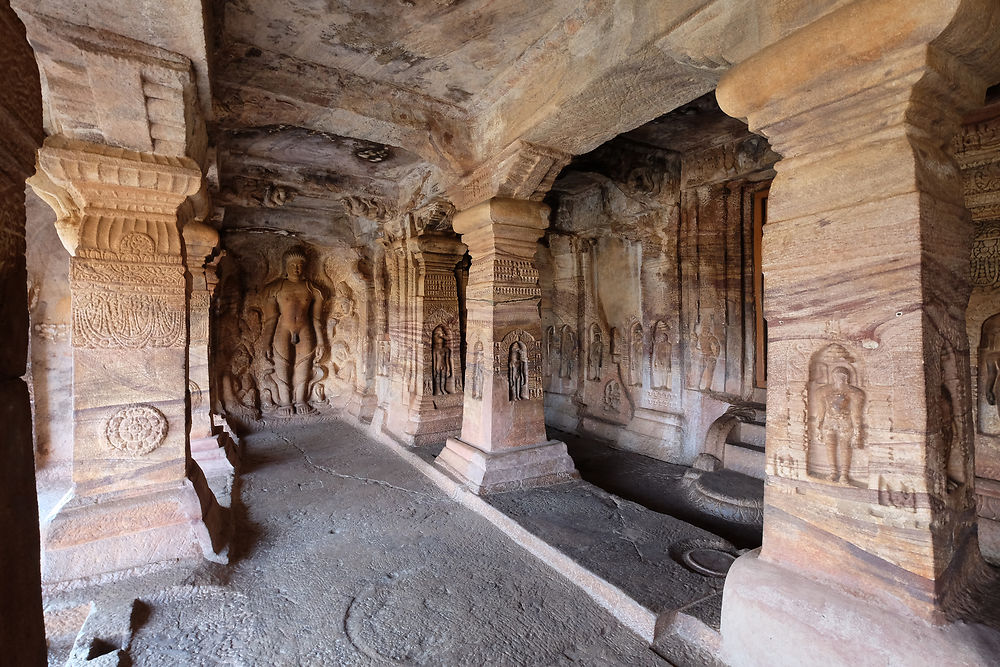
132 504
428 412
503 443
869 488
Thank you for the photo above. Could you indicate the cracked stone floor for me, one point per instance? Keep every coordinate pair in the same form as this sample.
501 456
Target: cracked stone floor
347 555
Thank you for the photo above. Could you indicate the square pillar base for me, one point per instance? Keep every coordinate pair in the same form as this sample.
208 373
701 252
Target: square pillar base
431 420
508 470
89 537
773 616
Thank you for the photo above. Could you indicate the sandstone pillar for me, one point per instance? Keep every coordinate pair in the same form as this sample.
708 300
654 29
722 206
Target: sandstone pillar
132 503
211 448
431 406
503 443
22 631
869 493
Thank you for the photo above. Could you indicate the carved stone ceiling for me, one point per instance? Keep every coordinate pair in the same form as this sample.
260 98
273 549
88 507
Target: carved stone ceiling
292 88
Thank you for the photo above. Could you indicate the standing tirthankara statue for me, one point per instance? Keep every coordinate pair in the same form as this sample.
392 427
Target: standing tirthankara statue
440 361
293 331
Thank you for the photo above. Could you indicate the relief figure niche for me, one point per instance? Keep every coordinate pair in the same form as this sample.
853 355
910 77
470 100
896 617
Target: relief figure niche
989 376
595 358
836 408
293 331
660 357
636 355
552 354
567 352
441 366
517 372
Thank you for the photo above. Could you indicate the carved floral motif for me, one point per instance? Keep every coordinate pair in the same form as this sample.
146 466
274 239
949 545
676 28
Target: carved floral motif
136 430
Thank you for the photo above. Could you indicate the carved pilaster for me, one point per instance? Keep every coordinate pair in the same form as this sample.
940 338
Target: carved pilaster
977 149
118 216
503 443
869 442
431 408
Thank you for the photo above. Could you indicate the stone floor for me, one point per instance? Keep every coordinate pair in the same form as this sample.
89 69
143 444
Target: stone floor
349 556
670 489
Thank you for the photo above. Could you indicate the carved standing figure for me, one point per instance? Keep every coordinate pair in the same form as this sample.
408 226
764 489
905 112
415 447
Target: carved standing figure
440 361
567 345
553 357
710 347
517 373
660 357
477 371
293 332
836 409
989 375
635 355
596 354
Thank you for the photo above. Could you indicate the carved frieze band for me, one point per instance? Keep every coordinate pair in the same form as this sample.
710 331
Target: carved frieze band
128 318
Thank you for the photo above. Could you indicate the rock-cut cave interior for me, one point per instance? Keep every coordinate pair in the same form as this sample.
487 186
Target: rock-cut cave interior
494 332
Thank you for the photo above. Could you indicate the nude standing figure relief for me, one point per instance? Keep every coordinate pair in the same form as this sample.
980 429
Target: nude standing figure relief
293 330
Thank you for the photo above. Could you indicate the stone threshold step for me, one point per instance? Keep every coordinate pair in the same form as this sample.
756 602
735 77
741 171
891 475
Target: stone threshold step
627 558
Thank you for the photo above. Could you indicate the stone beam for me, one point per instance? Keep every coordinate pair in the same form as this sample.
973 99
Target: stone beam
520 171
103 87
870 489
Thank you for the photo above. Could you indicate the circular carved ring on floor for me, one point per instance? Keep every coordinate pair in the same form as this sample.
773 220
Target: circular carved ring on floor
136 430
709 562
705 556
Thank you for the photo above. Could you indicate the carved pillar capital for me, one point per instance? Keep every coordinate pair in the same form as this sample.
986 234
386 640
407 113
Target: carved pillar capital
521 171
100 193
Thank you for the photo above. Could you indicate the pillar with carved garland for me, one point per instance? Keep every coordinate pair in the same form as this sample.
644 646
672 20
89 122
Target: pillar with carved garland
431 405
503 444
870 510
132 503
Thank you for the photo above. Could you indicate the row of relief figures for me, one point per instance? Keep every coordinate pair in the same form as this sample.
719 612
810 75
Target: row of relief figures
631 349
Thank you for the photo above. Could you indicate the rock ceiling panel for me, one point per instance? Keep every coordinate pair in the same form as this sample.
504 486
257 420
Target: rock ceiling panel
446 49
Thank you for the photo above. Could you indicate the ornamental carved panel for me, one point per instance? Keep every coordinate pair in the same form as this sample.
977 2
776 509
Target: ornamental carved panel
128 319
136 430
